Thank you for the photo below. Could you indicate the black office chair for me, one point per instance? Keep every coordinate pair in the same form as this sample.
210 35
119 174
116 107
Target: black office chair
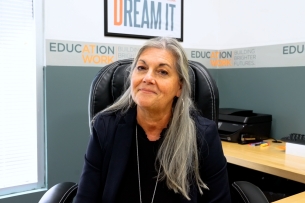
60 193
108 85
249 193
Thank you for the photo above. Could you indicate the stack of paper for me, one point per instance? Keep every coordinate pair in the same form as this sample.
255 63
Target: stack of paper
295 149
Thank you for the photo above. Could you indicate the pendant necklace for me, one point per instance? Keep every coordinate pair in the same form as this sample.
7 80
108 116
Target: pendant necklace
138 163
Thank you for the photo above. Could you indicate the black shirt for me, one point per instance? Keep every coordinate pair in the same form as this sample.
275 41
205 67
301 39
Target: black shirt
109 150
129 188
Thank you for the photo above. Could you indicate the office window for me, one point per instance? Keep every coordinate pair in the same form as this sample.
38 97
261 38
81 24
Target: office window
21 105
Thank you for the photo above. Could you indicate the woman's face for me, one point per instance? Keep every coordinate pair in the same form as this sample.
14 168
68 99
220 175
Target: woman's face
155 81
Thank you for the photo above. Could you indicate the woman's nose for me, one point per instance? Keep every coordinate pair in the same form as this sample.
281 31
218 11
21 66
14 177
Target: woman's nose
149 77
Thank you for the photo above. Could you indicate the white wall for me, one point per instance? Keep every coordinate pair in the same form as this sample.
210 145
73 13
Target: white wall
245 23
208 24
83 20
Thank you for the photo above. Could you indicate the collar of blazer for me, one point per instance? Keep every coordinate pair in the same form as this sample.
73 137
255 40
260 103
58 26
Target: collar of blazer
124 128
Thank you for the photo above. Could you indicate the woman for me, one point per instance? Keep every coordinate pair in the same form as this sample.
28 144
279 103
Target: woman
150 145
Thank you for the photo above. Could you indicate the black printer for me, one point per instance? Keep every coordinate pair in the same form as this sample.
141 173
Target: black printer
243 126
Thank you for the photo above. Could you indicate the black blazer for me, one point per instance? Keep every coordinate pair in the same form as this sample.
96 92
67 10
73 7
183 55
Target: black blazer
108 152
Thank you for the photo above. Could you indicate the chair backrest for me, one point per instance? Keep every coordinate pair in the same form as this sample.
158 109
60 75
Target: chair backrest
249 193
109 83
60 193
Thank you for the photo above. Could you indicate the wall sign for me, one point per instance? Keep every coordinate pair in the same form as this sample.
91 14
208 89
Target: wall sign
144 18
73 53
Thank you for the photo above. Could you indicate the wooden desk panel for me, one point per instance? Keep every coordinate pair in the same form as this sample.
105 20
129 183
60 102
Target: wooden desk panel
270 159
298 198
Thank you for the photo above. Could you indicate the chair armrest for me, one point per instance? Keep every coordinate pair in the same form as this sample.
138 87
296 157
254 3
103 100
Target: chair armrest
60 193
249 192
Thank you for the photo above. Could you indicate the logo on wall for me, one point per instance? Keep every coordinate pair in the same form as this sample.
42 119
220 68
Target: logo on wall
293 49
71 53
226 58
144 18
86 54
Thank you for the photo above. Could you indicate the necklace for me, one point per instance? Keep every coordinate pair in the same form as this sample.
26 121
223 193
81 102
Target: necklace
138 163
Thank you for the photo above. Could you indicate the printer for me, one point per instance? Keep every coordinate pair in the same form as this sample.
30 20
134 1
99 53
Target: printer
243 126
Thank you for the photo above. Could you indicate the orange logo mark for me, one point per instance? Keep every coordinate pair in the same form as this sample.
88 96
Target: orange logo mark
97 59
221 62
116 16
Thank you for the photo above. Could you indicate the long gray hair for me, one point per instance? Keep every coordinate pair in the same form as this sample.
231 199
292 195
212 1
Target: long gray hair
178 154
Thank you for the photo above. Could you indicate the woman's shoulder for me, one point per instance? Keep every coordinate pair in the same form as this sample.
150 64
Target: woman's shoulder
207 130
103 115
112 117
202 122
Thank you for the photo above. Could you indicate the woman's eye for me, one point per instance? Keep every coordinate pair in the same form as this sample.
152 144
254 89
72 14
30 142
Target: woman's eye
140 68
163 72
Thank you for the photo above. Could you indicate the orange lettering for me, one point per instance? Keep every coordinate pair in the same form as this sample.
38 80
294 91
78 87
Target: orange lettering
86 49
214 62
87 59
215 54
221 62
110 59
104 59
92 48
98 59
116 21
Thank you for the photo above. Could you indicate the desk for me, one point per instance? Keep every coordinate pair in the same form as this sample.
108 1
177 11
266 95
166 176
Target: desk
268 159
293 199
271 160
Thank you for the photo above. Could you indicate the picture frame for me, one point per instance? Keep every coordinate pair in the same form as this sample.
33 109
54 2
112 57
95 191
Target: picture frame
143 19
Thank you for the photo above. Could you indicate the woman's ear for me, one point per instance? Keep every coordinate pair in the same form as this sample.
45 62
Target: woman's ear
179 90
